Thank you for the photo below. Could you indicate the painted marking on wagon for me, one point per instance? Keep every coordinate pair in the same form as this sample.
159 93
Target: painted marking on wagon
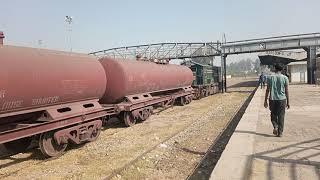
12 104
45 100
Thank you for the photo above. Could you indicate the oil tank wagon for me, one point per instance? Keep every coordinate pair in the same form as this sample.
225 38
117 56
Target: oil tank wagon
33 78
51 96
128 77
137 87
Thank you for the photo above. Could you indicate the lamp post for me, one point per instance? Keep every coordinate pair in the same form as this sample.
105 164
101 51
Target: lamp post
69 20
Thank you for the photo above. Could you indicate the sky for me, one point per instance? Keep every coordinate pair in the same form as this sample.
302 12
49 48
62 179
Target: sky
103 24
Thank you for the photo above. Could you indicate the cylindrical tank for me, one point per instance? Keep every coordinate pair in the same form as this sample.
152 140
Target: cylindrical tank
128 77
32 78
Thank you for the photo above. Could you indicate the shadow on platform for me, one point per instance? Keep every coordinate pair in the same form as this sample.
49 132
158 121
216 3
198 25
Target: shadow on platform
289 156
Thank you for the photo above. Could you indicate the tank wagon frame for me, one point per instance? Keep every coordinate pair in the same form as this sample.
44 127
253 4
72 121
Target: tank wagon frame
55 127
140 106
77 121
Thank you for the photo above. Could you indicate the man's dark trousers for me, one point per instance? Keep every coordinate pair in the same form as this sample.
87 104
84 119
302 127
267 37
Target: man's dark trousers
278 109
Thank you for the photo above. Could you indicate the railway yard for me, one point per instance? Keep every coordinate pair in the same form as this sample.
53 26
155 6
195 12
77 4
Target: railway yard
116 91
169 145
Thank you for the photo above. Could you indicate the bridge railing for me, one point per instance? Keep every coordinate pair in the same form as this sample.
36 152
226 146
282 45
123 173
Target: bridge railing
162 51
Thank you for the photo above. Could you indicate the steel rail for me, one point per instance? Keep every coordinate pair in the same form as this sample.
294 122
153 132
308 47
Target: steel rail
227 126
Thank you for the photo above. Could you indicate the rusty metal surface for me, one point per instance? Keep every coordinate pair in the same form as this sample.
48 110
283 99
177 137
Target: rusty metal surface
33 78
130 106
75 134
40 127
127 77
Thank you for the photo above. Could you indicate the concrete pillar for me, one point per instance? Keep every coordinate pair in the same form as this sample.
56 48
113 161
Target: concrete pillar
311 64
223 73
317 73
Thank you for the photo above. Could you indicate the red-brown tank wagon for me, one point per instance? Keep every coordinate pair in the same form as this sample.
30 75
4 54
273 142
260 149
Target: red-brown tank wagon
50 94
33 78
128 77
136 87
56 97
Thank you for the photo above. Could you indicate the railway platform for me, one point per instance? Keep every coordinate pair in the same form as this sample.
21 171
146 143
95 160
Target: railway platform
253 152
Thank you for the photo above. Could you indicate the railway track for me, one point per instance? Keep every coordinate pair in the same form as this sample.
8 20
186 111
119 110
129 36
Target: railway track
117 171
113 124
207 163
229 128
111 138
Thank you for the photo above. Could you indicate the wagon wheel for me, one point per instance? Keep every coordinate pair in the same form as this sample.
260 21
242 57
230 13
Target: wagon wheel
186 100
49 146
189 99
19 145
203 94
144 115
183 101
197 96
150 110
128 119
95 132
211 92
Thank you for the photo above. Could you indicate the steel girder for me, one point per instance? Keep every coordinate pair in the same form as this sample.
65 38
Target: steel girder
162 51
299 41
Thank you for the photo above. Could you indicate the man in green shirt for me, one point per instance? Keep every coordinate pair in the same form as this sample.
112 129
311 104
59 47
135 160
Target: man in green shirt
278 93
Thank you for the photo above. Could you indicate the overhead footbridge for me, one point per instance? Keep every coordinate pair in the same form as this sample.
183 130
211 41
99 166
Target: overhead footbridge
308 42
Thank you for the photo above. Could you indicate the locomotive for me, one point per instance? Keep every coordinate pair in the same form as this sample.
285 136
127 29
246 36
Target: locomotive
206 79
56 98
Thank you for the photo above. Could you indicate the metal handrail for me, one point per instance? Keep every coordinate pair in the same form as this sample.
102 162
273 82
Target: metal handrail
295 36
154 44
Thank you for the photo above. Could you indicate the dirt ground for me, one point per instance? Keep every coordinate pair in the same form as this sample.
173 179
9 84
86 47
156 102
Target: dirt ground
167 146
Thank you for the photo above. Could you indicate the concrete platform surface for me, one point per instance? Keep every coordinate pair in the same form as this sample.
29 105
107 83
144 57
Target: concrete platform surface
254 153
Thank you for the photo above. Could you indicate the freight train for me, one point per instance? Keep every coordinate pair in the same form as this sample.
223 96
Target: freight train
56 98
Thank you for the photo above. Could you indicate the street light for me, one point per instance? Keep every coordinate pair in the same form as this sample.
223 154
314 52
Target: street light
69 20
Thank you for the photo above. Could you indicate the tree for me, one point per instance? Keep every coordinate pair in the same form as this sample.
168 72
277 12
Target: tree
244 66
257 66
